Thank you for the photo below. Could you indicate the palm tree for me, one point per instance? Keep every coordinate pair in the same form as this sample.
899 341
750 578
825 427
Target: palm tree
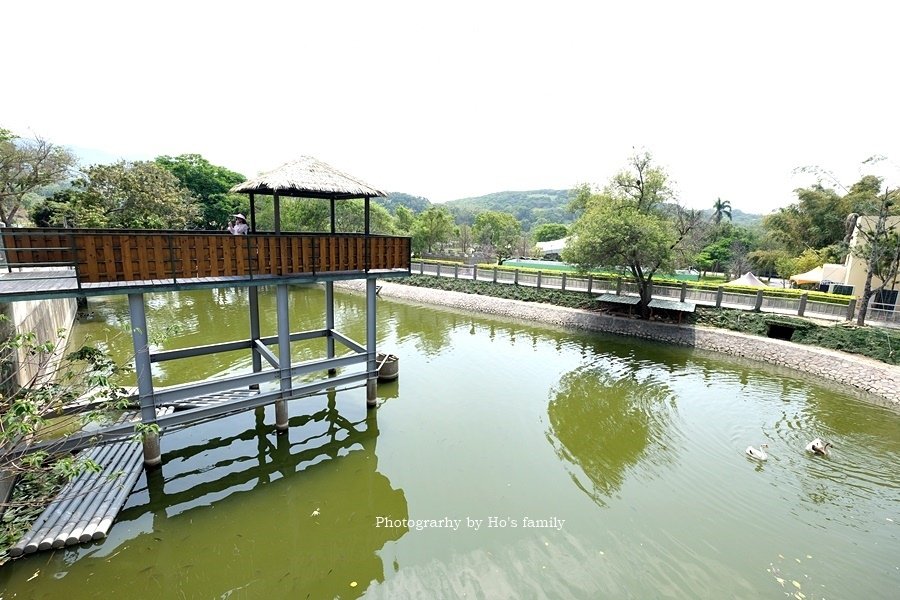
721 208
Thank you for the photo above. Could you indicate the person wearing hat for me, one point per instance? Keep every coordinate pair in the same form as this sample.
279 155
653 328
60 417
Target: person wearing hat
239 225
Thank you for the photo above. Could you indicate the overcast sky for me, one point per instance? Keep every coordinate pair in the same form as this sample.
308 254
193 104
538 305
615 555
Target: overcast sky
457 99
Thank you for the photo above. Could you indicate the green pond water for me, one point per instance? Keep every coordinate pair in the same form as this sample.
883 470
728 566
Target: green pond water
566 464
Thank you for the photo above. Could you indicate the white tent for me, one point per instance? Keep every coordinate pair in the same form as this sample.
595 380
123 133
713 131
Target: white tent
748 278
827 272
553 246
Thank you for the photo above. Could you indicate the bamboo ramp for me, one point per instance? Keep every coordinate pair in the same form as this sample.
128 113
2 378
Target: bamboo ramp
84 510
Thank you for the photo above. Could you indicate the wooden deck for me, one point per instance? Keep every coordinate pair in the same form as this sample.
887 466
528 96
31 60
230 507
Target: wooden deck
65 262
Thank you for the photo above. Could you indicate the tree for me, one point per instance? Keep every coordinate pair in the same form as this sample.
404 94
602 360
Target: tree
497 232
405 219
728 249
817 219
879 246
464 238
26 166
630 224
210 184
394 200
132 195
721 208
314 214
432 227
31 408
549 232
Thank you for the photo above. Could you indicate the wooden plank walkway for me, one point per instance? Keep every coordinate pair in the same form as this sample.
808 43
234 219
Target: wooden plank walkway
23 285
86 507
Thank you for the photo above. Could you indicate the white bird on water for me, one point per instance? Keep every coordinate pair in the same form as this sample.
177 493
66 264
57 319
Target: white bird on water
758 454
819 446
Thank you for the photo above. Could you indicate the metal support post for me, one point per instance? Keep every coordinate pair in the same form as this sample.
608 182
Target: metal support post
683 290
371 366
255 334
284 356
329 323
152 454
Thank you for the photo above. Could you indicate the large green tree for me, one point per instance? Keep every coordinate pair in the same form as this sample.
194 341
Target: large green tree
132 195
549 232
26 166
497 232
818 219
432 227
210 184
633 223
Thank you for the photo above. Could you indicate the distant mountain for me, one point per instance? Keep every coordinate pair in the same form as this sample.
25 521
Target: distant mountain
92 156
531 208
417 204
738 217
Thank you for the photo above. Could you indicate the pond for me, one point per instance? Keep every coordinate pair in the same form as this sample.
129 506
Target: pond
510 460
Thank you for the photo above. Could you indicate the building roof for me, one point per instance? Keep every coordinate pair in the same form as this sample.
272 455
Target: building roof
308 177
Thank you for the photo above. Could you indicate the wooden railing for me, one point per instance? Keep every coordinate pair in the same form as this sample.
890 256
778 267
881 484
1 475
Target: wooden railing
112 255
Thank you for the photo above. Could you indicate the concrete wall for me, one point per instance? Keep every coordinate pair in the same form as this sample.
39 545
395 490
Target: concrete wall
45 318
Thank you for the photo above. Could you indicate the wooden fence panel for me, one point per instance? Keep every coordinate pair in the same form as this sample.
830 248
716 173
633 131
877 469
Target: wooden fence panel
116 255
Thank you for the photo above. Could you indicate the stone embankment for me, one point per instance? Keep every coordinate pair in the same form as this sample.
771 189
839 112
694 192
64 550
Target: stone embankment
863 373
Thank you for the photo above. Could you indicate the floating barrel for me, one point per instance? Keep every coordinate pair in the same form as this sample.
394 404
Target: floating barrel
388 366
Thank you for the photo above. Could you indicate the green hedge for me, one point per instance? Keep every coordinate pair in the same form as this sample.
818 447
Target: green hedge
770 292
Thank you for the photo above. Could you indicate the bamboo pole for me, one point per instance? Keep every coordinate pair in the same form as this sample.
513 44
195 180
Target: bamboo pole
50 538
29 542
113 509
80 518
99 505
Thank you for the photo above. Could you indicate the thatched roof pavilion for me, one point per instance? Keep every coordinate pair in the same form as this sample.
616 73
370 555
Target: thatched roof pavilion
306 177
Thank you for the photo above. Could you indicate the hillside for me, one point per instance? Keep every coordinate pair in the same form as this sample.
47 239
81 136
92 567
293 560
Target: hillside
529 207
416 204
738 217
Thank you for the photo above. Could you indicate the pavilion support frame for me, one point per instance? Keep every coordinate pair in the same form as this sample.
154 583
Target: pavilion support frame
329 322
142 368
284 356
371 367
267 367
256 359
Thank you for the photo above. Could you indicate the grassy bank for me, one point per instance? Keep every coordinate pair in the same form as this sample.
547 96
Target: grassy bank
874 342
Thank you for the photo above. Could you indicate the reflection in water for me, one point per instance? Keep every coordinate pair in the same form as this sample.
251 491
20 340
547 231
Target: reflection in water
664 502
251 513
185 319
604 417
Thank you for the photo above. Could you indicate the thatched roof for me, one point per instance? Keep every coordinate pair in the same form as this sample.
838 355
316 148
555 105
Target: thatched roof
307 177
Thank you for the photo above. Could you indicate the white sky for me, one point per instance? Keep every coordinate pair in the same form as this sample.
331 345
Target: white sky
456 99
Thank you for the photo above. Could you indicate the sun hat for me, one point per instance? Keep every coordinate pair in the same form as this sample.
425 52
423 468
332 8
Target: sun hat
239 216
